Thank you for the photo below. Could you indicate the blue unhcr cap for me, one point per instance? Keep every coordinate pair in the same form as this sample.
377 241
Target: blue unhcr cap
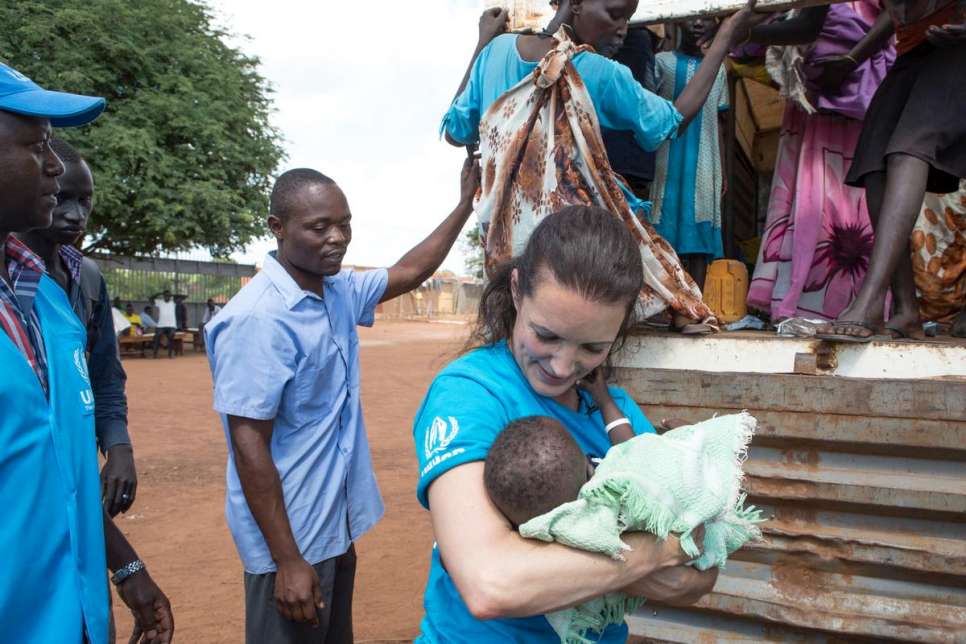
20 95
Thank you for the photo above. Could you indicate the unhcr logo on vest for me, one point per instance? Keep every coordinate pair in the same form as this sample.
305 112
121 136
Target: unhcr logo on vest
80 361
86 394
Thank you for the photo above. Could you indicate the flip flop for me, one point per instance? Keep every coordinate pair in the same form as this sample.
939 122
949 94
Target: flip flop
696 329
904 337
853 339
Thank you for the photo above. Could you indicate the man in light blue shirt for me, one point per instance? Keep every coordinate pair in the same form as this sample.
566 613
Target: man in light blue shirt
284 356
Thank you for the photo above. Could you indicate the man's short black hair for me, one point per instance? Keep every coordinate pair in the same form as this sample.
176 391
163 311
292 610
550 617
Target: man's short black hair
67 152
287 186
533 466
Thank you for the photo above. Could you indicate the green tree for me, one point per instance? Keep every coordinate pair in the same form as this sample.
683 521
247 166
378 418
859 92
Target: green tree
184 154
473 248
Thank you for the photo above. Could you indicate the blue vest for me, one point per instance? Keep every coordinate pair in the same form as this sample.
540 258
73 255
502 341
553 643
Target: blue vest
53 575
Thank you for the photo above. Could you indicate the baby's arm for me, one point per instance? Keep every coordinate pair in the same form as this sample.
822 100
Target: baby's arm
619 427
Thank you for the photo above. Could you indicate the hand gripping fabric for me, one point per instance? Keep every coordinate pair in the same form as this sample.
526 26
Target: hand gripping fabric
664 484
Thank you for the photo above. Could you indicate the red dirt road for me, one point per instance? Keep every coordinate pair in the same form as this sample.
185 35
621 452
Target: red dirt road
177 523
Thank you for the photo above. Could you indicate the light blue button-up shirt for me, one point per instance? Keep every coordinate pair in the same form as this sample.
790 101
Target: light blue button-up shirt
280 353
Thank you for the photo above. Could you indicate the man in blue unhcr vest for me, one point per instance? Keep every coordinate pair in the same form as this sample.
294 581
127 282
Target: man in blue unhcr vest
53 583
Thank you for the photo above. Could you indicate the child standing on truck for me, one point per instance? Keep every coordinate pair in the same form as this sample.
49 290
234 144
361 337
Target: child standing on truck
688 181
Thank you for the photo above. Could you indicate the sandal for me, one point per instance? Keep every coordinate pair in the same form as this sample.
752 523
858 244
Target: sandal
696 329
854 339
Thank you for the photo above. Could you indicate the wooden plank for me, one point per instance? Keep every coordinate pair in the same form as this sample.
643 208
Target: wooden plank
744 121
666 10
926 399
535 14
894 434
766 151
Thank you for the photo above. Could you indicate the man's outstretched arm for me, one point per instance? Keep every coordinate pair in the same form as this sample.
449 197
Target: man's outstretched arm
421 262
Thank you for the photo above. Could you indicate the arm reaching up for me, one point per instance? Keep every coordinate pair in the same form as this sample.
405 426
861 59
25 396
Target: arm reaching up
733 31
421 262
493 22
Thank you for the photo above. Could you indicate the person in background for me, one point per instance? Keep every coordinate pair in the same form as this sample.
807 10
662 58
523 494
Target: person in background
211 310
81 280
181 312
121 325
167 320
136 321
55 536
147 319
284 357
913 141
818 236
689 181
627 158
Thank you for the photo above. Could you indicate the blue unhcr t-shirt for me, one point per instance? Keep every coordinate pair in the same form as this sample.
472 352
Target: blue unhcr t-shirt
468 404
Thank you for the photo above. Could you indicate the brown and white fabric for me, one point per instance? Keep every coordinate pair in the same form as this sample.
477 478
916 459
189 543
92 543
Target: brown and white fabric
541 150
939 255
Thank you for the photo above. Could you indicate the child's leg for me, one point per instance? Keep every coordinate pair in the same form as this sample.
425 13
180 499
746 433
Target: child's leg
893 209
697 267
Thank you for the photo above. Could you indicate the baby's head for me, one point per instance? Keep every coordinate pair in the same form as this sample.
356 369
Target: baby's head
533 466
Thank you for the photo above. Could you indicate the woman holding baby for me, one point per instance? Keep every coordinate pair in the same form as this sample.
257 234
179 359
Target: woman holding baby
548 319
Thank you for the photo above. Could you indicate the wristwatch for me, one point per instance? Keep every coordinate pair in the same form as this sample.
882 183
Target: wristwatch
126 571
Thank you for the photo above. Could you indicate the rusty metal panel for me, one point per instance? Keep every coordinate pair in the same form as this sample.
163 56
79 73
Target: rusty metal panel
864 486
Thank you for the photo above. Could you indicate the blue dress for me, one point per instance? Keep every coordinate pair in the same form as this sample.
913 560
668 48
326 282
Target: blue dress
620 101
688 177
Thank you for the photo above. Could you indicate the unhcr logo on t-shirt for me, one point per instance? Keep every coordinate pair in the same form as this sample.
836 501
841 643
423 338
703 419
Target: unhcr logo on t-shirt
440 434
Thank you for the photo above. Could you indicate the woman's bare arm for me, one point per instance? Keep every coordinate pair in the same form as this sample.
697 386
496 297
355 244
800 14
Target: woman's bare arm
493 22
500 574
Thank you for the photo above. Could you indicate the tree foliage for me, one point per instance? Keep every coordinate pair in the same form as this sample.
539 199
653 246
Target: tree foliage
473 248
183 155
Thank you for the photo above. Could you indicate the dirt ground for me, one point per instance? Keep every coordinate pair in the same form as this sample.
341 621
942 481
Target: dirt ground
177 523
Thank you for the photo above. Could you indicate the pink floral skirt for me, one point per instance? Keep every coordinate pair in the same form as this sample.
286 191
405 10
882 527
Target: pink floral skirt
818 237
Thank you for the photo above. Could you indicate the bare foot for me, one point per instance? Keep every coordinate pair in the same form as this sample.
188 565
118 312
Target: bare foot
905 325
846 330
854 324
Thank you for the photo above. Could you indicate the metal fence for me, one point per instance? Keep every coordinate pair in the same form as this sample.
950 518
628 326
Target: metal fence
135 279
864 482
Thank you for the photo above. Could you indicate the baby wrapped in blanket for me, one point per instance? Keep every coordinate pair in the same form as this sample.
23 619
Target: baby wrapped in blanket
664 484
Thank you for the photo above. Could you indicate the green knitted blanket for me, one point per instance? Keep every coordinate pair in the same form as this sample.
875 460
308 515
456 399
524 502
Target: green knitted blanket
658 484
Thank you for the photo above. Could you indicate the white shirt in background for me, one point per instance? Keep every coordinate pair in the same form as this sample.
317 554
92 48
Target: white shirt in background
166 316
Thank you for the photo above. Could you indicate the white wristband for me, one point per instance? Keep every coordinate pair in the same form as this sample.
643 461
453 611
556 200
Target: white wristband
617 423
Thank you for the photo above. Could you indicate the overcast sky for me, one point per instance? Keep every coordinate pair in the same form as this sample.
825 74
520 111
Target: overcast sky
360 88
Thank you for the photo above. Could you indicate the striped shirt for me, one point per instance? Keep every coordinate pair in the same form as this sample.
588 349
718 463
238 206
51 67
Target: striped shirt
72 259
17 316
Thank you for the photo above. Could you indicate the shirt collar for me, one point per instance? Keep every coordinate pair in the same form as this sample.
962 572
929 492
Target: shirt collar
73 259
18 252
291 292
